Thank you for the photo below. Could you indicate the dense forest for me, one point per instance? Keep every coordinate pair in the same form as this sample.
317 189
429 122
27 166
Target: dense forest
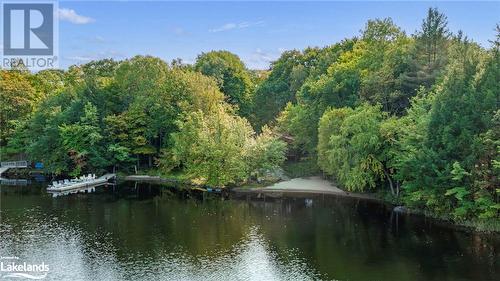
416 116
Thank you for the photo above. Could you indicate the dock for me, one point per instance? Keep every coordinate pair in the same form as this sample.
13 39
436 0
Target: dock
4 166
79 185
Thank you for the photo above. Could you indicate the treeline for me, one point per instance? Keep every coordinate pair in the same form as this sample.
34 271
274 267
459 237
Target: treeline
416 115
138 112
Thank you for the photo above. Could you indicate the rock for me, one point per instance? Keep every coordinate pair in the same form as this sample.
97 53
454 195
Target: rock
308 202
273 175
400 209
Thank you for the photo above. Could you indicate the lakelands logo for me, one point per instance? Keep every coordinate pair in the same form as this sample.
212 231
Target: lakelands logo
29 33
11 267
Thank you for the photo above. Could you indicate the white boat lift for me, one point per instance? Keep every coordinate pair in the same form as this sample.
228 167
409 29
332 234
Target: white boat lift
82 184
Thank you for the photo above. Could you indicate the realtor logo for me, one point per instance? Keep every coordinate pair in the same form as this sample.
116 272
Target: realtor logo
28 29
29 34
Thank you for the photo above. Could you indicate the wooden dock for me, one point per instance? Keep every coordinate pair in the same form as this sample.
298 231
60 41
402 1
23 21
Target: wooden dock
80 186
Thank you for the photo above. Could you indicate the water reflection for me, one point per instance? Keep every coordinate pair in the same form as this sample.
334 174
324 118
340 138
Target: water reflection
146 232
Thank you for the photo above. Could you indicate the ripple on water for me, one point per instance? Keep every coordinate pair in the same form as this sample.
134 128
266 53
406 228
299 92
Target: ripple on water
251 259
74 254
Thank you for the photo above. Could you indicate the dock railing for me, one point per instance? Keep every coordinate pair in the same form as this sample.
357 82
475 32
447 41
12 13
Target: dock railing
14 164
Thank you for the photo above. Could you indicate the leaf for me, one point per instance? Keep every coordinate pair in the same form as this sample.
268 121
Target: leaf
459 192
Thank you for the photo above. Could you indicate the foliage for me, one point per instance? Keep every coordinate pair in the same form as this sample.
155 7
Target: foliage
353 149
304 168
17 100
265 153
81 140
219 148
231 75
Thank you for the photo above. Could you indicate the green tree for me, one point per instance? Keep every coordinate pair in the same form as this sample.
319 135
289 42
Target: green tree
449 165
352 146
231 75
279 88
82 141
265 153
18 99
210 146
430 52
126 134
220 148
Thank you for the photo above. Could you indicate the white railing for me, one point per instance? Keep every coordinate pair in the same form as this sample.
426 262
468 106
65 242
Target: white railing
14 164
13 181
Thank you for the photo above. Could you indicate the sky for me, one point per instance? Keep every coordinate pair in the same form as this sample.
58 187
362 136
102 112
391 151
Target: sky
258 32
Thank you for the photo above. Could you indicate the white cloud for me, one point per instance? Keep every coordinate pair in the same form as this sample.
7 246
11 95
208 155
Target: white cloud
260 59
70 15
241 25
263 56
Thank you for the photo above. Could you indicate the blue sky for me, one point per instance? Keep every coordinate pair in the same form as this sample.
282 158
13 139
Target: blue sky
256 31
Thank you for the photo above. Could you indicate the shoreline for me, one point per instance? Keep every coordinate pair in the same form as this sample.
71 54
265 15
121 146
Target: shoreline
320 187
281 188
280 193
316 186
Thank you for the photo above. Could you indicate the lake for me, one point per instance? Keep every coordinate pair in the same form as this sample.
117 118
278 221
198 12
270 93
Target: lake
149 232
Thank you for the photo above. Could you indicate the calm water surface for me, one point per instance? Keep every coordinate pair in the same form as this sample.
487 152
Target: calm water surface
150 233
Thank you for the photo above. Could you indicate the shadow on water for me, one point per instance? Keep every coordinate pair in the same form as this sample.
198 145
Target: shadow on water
141 231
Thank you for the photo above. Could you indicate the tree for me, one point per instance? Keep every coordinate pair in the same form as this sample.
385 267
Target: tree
314 93
351 146
17 101
231 75
288 75
126 133
265 153
430 52
449 162
219 148
299 122
82 141
279 88
433 36
384 59
155 99
210 146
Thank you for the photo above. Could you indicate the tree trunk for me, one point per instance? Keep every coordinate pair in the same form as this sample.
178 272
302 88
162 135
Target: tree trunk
391 185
